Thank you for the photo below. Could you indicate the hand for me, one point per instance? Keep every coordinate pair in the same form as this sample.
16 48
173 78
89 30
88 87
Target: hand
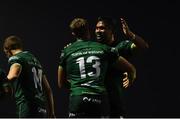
126 29
125 80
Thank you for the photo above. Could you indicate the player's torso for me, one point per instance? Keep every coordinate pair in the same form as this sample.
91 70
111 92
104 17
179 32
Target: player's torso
28 87
86 66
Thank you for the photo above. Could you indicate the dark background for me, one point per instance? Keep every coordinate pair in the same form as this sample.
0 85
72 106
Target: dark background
44 27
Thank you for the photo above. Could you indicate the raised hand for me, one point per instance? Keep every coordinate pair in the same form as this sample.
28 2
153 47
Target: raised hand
126 29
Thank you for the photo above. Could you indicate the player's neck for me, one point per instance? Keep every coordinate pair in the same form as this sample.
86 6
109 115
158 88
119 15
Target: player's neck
14 52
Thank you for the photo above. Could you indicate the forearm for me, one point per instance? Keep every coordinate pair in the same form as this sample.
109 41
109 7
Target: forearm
49 95
61 77
50 103
132 74
14 71
126 66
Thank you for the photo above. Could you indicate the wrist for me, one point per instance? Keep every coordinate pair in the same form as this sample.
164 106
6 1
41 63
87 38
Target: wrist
133 36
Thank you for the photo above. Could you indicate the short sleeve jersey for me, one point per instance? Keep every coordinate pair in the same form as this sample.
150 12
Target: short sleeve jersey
85 64
115 86
28 87
125 49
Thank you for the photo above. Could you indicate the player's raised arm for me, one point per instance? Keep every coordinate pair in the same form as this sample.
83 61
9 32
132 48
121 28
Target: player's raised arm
138 41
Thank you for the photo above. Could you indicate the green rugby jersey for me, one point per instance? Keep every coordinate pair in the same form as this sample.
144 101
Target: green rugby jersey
28 87
125 48
85 64
115 85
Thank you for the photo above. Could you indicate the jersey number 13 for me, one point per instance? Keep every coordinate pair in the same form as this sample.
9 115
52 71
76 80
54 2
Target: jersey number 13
96 65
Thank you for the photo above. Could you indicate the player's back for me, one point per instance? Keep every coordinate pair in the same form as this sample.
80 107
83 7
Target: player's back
86 66
28 87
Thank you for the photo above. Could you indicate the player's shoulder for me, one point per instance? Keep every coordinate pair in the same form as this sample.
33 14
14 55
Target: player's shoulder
129 43
126 41
67 45
66 48
13 58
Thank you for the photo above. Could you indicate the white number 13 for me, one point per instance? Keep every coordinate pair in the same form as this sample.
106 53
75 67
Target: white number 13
90 59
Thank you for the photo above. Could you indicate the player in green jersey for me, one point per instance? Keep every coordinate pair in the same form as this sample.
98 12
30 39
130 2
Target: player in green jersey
31 89
84 65
105 33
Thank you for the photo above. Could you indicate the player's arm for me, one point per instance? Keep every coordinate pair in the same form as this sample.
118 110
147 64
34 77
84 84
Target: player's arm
123 65
13 74
62 80
61 76
138 41
49 95
14 71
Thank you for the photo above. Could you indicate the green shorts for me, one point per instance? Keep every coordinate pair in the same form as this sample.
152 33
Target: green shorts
25 109
89 106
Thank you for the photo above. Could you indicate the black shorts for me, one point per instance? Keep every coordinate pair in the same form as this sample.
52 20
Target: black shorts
90 106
